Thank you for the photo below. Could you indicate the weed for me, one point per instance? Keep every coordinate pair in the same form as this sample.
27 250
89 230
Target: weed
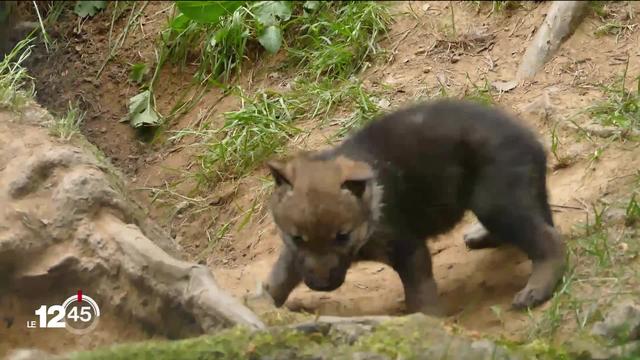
632 213
250 135
614 27
366 110
214 240
622 107
338 40
45 36
597 246
138 72
325 95
68 125
611 20
453 20
553 316
224 49
14 77
479 94
562 161
54 11
599 8
132 22
222 33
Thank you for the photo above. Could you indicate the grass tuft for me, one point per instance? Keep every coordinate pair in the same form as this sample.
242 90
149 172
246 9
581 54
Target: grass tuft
621 108
14 78
250 135
68 125
340 40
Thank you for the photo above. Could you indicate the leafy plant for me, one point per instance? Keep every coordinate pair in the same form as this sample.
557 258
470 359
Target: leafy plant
339 40
138 72
141 111
207 12
86 8
336 39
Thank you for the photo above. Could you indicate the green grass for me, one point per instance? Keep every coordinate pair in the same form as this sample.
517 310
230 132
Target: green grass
340 39
632 211
250 135
219 49
403 338
65 127
336 40
266 122
481 94
621 108
600 257
15 86
366 109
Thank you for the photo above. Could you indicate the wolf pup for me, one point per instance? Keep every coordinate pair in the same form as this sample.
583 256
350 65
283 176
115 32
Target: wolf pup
405 177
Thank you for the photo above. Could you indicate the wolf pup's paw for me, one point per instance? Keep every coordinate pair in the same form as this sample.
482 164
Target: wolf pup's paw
259 300
530 297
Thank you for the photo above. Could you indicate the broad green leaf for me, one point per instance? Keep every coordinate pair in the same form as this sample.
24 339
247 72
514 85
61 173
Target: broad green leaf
89 8
137 72
141 112
179 23
207 12
271 39
270 13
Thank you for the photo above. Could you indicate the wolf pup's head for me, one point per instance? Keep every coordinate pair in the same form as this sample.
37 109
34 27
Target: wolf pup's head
325 210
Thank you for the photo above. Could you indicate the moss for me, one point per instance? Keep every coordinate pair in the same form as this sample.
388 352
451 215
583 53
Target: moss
410 337
235 343
392 339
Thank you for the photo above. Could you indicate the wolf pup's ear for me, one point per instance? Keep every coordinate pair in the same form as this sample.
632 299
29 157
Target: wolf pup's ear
356 187
356 176
279 172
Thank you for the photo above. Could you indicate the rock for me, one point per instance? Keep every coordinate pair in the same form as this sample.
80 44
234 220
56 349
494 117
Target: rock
368 356
30 354
349 333
622 323
67 223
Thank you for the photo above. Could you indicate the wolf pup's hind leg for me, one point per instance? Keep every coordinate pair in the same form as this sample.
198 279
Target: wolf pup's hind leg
516 216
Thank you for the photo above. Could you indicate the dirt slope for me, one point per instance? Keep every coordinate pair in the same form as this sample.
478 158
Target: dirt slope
486 46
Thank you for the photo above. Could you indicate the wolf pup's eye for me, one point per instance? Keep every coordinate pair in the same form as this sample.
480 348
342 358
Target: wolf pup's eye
342 238
297 239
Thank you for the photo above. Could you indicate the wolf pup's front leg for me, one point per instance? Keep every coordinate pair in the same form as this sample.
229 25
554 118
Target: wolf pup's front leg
420 289
283 278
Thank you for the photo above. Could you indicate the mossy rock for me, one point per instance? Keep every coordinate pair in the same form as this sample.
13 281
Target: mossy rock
410 337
